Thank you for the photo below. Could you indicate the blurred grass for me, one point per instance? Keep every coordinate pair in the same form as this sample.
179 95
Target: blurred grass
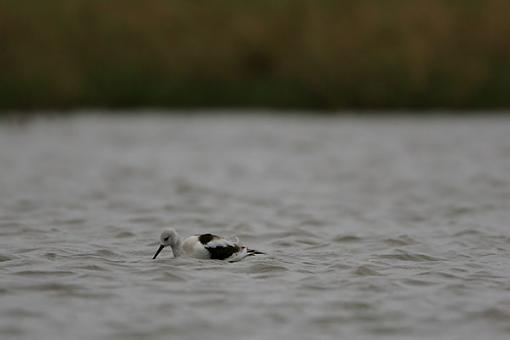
277 53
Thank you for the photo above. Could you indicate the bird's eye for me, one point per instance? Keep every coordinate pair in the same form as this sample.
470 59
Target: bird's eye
166 238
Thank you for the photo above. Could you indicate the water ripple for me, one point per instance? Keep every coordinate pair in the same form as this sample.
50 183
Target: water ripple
373 227
365 271
408 256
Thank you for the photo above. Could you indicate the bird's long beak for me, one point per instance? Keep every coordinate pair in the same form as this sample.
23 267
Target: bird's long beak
159 251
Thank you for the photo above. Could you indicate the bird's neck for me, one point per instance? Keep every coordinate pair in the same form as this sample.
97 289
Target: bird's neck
177 247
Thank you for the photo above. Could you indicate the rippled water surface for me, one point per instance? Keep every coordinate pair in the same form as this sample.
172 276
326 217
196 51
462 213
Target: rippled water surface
374 228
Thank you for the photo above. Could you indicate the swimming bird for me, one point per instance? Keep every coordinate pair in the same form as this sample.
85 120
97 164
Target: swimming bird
205 246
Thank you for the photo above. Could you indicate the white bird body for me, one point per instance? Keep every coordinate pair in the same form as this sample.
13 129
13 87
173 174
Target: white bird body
192 247
205 246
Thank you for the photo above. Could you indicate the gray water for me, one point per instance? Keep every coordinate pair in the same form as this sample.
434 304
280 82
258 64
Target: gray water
373 227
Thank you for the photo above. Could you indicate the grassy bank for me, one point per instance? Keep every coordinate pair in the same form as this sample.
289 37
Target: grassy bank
285 53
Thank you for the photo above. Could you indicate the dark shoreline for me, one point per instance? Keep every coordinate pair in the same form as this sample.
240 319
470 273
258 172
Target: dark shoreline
289 54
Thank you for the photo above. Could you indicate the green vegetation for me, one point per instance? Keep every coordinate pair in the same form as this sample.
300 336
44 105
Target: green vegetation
279 53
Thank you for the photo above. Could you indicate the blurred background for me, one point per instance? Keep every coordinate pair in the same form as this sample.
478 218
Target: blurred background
304 54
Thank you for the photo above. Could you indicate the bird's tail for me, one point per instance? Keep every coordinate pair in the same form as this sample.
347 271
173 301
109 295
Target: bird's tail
253 252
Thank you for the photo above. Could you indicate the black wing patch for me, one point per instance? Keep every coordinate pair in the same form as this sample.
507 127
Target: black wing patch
218 251
221 252
206 238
